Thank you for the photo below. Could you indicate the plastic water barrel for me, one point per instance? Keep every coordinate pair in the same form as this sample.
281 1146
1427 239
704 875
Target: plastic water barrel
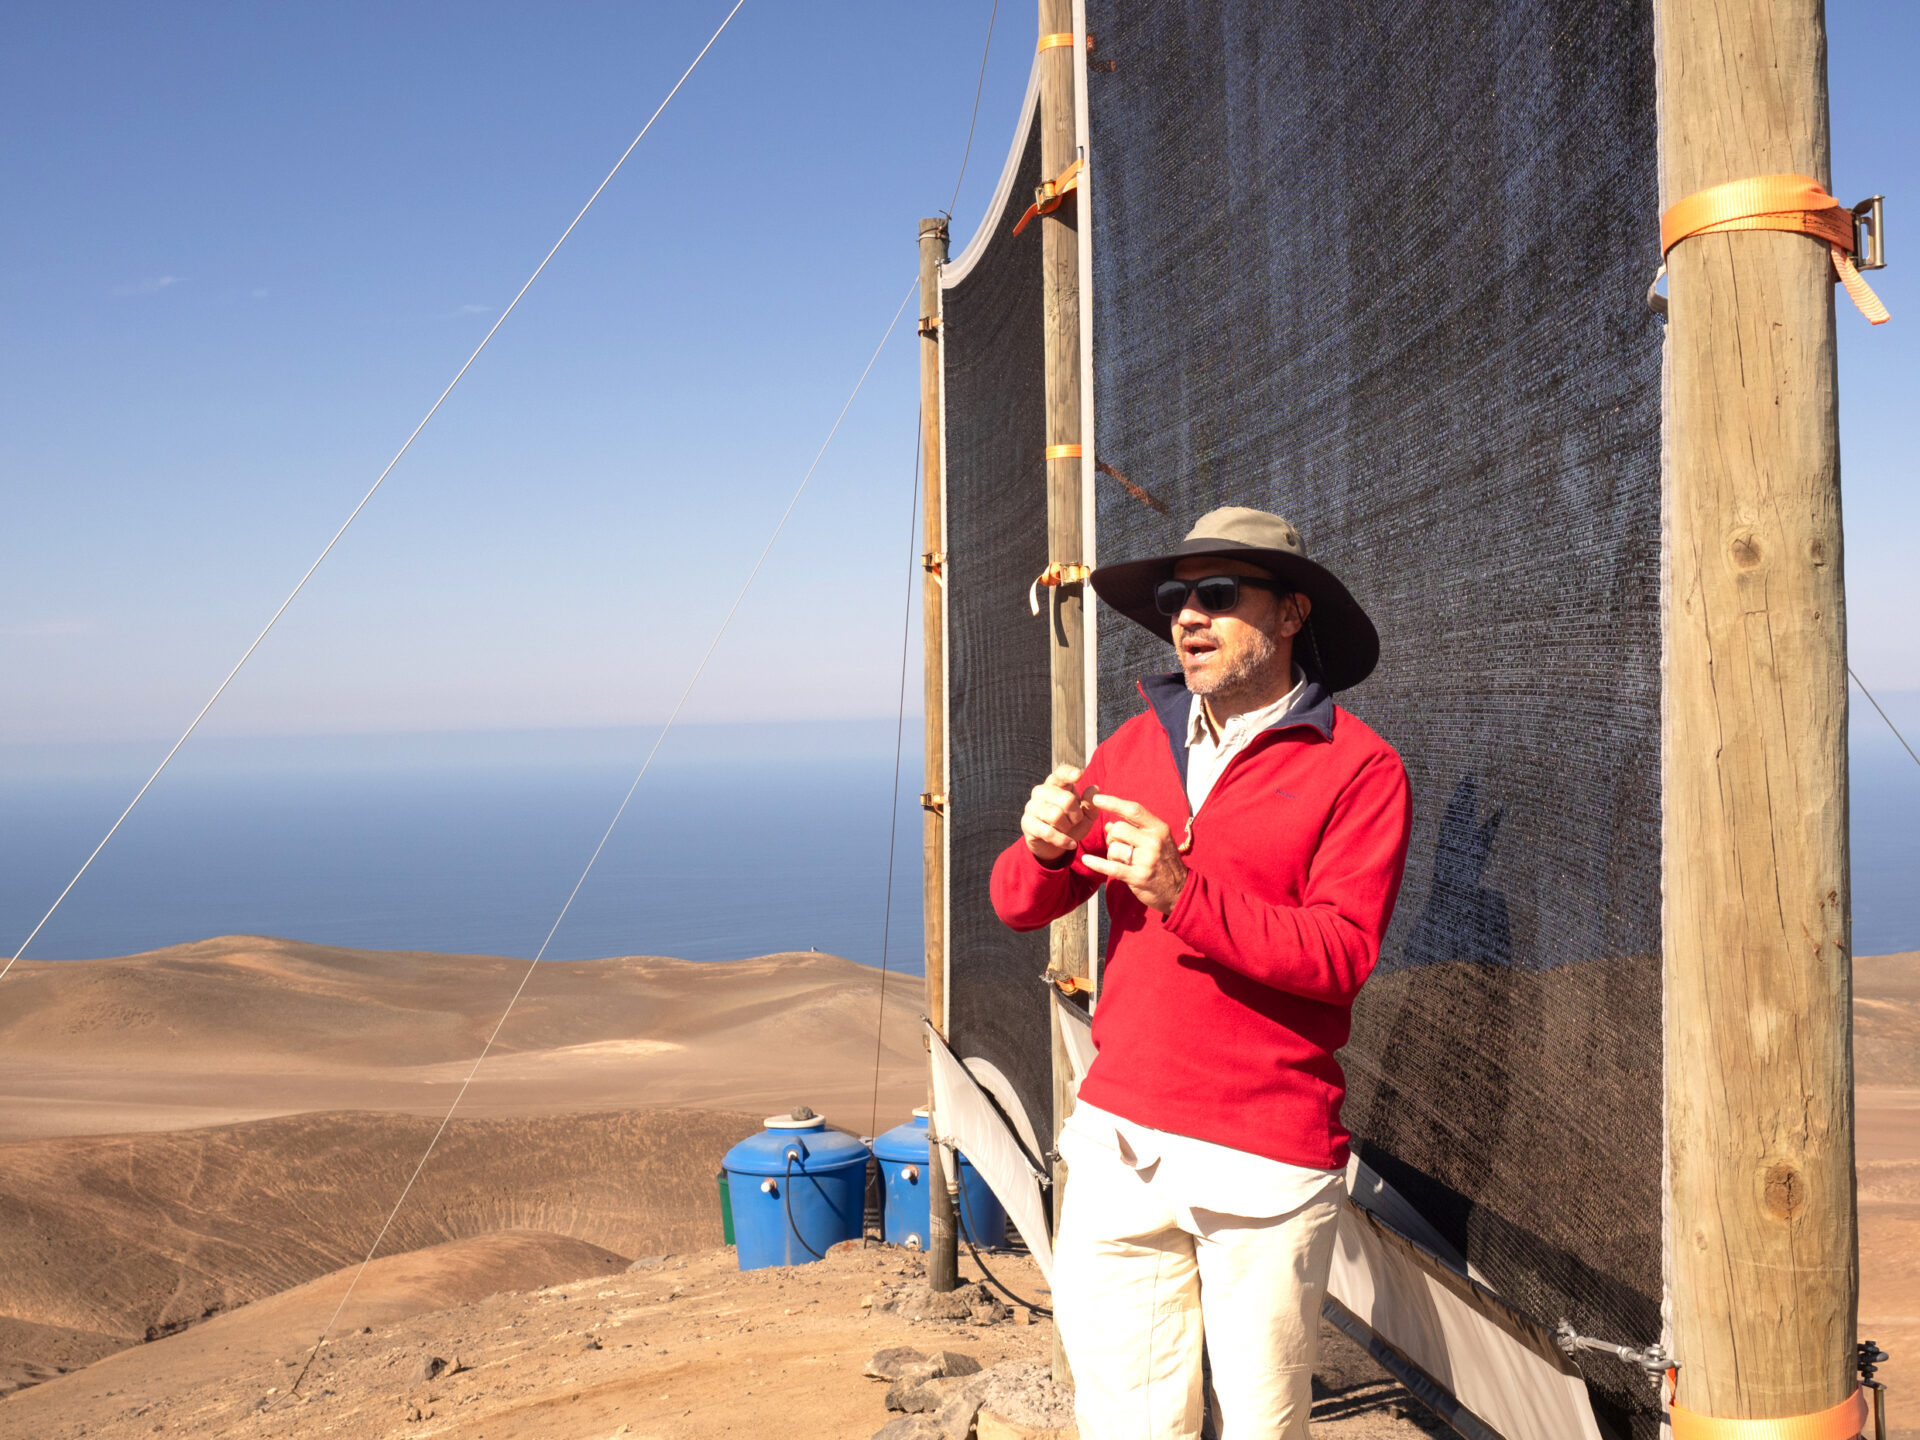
902 1153
726 1209
796 1188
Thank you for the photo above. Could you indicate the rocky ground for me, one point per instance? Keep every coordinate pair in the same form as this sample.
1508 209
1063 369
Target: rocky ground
667 1347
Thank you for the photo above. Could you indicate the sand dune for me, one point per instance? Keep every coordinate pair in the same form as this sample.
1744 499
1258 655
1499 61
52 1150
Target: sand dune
243 1027
128 1238
203 1126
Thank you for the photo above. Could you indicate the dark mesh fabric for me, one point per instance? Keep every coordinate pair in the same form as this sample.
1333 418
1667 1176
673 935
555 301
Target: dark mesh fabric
999 726
1379 267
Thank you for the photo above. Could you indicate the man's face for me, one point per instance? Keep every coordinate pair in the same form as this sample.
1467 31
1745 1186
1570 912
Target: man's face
1248 647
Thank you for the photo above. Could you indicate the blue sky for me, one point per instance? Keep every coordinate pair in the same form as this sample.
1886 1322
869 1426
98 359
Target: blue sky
243 247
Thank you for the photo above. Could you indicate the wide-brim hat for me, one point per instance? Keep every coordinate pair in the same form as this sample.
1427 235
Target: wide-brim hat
1340 641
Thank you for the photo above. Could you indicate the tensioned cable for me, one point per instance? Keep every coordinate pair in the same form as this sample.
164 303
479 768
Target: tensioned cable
294 593
1884 716
899 734
679 704
978 85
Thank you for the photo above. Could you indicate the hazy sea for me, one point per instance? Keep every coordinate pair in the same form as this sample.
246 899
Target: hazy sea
742 840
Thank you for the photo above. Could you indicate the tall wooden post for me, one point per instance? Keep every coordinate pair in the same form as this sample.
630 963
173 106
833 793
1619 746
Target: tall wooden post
943 1260
1763 1260
1066 542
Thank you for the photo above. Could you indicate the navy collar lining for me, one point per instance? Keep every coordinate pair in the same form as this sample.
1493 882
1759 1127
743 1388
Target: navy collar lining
1172 705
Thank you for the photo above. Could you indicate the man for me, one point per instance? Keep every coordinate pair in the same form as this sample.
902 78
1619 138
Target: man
1251 836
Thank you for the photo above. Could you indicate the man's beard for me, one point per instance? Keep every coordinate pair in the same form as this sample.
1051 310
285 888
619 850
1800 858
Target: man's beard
1246 671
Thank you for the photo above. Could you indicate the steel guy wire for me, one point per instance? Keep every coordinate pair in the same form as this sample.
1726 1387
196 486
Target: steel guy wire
592 859
899 734
294 593
978 86
1884 716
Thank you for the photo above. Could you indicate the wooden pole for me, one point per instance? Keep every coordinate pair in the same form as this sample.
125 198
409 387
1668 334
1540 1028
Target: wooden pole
943 1260
1060 298
1763 1259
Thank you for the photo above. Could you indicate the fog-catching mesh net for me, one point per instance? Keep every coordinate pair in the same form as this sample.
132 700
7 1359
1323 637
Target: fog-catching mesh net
999 731
1380 267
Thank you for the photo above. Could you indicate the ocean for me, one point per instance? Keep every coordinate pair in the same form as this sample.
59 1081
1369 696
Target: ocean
742 840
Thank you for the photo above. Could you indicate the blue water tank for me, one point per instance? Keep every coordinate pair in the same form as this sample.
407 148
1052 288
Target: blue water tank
797 1188
902 1153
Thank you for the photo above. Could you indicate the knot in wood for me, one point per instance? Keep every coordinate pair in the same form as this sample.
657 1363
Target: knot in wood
1786 1191
1744 547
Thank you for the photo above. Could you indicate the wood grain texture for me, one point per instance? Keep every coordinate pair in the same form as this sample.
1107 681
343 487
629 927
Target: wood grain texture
1762 1256
1067 937
942 1239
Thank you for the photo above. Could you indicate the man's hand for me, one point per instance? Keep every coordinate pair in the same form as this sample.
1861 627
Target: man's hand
1140 852
1056 818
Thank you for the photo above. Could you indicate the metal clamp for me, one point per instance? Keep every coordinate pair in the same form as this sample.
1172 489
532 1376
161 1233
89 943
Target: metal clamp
933 802
1654 1359
1870 248
1871 1357
933 561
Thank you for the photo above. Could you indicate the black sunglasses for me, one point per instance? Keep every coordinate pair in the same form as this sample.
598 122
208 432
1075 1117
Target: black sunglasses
1217 594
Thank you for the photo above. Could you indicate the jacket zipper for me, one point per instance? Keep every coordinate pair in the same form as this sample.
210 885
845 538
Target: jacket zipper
1186 840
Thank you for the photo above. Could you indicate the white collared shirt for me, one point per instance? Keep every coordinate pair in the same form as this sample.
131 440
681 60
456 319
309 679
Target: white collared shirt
1202 1175
1208 754
1207 1176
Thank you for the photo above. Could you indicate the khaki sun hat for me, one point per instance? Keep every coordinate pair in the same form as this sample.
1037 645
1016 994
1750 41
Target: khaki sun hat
1341 644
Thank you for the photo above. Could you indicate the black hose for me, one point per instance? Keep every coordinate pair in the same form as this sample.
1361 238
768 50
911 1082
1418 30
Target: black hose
786 1198
966 1234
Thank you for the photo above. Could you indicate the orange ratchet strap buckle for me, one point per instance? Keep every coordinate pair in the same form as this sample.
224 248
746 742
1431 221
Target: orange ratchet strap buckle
1050 194
1795 203
1055 575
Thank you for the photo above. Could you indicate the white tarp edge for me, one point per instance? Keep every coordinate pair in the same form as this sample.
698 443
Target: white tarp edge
1076 1036
994 1081
1459 1333
963 1115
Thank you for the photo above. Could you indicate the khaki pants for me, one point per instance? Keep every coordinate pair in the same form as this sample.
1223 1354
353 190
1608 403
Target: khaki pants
1136 1278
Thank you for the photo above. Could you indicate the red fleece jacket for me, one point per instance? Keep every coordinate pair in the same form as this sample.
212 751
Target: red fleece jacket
1220 1019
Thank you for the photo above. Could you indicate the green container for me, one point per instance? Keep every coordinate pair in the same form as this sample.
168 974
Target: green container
726 1209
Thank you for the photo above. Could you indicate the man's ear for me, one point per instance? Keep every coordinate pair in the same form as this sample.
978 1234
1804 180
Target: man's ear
1294 610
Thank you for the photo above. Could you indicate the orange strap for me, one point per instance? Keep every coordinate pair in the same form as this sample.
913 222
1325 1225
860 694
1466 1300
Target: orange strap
1845 1421
1064 452
1051 193
1055 574
1054 42
1775 202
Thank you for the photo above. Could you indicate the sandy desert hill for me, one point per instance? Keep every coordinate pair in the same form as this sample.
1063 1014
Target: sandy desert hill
112 1240
190 1130
245 1027
1886 1040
